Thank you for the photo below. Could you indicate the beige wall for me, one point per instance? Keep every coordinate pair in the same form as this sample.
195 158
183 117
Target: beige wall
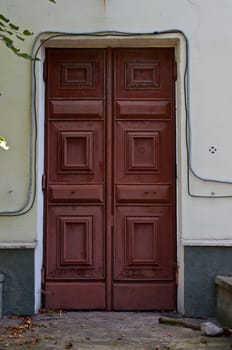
207 24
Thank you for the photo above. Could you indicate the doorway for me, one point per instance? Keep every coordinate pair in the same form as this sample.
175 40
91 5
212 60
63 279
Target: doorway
110 240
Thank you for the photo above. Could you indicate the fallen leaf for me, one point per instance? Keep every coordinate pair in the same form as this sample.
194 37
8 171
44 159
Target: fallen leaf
203 341
14 317
34 340
48 337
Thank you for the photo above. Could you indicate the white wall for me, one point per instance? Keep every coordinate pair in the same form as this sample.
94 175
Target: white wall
207 24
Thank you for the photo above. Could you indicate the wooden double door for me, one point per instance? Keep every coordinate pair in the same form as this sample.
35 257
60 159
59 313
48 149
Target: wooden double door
110 179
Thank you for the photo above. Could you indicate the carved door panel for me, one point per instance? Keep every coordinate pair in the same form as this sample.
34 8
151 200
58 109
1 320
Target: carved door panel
110 185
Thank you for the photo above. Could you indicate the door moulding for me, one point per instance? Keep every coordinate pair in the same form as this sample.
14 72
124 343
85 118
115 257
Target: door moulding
162 40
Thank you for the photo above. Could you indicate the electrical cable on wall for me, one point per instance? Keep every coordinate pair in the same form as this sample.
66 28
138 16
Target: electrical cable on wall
31 193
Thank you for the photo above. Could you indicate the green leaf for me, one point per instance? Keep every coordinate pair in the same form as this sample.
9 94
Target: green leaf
26 56
3 18
27 32
19 37
9 32
13 26
14 49
10 45
7 40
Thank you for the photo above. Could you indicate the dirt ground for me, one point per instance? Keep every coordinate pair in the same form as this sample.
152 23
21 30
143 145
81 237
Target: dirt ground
102 331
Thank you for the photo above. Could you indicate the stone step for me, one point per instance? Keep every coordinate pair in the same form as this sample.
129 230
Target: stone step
224 300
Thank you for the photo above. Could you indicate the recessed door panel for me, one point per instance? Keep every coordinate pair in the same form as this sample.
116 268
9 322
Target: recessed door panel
143 73
142 247
75 243
76 73
142 152
77 149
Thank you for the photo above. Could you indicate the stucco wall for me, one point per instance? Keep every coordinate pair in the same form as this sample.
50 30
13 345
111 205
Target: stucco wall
207 24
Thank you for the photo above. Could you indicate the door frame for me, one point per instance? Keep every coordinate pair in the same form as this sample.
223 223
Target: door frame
177 41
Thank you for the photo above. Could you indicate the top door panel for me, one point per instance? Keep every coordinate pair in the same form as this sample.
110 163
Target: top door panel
144 75
76 73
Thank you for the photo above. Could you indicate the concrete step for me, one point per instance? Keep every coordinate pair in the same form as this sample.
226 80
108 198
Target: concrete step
224 300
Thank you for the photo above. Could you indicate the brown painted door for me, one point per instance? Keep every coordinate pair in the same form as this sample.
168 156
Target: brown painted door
110 184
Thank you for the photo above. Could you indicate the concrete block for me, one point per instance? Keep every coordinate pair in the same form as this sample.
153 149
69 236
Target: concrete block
224 300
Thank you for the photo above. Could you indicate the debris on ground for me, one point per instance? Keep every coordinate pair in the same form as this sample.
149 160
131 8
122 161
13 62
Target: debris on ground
179 322
104 331
208 329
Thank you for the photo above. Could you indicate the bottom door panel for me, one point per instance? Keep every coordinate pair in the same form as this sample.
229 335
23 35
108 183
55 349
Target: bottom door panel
135 296
70 295
75 243
143 244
